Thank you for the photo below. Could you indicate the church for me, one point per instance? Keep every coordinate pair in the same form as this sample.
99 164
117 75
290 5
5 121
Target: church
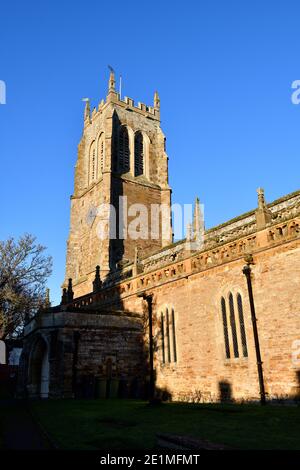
214 316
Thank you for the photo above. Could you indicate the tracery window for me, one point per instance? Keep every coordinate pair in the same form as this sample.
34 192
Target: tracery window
225 328
168 336
232 314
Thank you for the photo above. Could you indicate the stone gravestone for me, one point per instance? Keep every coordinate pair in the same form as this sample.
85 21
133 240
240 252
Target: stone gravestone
2 352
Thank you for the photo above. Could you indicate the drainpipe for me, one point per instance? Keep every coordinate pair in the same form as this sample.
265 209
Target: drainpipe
247 273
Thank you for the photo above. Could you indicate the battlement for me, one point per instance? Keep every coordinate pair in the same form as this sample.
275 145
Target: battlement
150 112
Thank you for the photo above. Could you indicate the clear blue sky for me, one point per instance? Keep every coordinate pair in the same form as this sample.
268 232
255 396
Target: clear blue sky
223 70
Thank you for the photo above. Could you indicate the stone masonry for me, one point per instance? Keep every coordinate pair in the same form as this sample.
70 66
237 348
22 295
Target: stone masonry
203 335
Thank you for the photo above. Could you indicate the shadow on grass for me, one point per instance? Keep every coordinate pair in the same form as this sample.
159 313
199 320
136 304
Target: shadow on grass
133 424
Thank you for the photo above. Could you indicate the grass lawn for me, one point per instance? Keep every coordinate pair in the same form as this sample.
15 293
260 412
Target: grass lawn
131 424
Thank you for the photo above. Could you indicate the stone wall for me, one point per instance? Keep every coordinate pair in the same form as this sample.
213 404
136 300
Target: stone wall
111 322
81 347
202 368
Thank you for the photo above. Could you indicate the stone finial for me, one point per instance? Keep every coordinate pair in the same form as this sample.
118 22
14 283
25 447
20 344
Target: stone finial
101 104
87 109
189 237
263 214
156 100
111 81
195 231
261 198
64 297
70 293
137 267
189 232
198 223
97 283
136 255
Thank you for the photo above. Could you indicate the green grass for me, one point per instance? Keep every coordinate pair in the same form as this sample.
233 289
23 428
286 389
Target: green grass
131 424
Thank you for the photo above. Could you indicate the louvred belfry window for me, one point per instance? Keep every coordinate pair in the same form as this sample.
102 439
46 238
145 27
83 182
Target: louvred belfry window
124 157
138 154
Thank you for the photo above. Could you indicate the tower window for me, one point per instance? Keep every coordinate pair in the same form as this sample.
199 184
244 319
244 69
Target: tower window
138 154
124 153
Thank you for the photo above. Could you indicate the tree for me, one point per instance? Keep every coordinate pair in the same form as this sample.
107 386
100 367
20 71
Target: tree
24 270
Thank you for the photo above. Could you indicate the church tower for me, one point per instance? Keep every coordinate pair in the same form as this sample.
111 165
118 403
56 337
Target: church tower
121 162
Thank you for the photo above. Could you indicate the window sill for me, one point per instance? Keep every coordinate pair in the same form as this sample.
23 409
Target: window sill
168 365
236 362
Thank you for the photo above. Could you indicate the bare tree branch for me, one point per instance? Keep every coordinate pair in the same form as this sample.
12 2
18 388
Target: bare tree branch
24 270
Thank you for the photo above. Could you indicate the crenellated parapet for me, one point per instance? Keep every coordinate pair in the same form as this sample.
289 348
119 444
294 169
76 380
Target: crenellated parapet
151 112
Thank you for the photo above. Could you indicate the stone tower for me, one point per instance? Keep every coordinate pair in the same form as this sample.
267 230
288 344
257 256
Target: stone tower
121 162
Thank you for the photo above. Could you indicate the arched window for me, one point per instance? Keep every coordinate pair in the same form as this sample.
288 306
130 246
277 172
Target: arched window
233 326
174 337
123 150
242 325
138 154
162 328
168 336
232 314
225 328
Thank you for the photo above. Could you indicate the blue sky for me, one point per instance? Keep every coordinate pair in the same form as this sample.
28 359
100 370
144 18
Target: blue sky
223 70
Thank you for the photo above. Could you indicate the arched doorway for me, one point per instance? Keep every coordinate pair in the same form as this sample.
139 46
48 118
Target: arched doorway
39 370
